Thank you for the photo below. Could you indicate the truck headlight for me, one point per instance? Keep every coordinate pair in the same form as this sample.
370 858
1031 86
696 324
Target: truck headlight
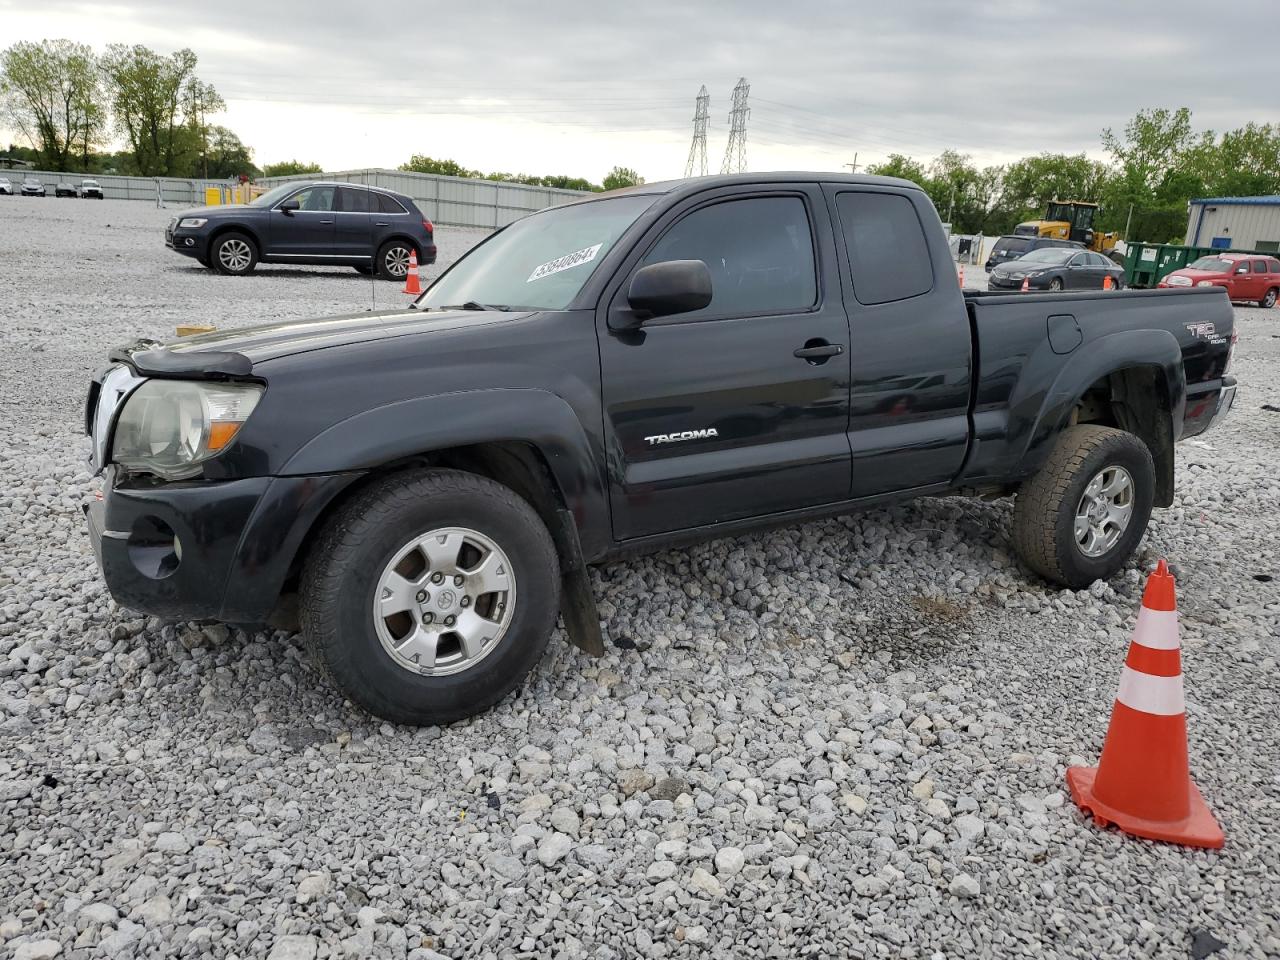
192 223
170 427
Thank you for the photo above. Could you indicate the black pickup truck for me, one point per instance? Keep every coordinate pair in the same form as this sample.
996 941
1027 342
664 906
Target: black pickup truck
424 487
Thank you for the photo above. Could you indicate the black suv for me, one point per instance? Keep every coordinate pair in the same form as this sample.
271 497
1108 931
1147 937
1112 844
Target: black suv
1010 247
335 224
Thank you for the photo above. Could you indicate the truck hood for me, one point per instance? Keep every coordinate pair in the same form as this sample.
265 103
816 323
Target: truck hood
232 352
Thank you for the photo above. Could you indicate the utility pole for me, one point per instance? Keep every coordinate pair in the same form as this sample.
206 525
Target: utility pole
697 165
735 152
1128 220
853 167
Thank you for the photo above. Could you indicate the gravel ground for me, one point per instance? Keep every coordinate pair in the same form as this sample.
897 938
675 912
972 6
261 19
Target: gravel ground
842 739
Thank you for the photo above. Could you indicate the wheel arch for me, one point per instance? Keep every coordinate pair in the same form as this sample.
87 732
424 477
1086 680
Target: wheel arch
235 227
1131 380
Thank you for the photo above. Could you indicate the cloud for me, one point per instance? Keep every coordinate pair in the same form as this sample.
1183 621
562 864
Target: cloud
572 87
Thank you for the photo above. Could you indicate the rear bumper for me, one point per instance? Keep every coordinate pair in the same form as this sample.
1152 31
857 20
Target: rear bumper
197 551
1208 407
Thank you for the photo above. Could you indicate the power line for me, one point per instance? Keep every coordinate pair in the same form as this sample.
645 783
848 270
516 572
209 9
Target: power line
698 149
735 151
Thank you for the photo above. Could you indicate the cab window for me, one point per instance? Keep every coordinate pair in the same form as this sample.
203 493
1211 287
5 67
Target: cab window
888 254
315 199
759 251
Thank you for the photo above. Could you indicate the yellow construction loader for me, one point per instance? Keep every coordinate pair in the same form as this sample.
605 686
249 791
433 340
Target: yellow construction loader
1070 220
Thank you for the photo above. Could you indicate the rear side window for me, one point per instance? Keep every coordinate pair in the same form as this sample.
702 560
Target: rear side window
1259 266
388 204
759 251
353 200
1098 260
888 255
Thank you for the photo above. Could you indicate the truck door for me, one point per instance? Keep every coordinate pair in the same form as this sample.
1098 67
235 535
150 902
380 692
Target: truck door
910 341
739 409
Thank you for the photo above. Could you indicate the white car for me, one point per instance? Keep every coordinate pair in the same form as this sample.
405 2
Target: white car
6 187
31 187
90 188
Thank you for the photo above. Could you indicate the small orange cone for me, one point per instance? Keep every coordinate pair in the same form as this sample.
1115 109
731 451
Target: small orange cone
412 282
1142 784
1026 284
1107 282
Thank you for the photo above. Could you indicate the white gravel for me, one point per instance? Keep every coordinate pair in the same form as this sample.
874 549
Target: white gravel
843 739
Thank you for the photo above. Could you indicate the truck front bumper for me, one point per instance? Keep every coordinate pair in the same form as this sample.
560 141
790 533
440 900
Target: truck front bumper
195 551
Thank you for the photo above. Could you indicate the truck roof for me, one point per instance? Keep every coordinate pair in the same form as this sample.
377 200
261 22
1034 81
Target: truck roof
781 176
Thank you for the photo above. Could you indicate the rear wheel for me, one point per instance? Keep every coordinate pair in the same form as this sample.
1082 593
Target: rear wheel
234 254
1084 513
1269 300
392 262
431 595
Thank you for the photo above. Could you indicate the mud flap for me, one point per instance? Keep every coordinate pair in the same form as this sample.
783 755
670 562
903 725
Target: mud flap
577 603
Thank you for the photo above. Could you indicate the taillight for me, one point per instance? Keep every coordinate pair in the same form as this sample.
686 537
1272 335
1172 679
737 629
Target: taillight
426 225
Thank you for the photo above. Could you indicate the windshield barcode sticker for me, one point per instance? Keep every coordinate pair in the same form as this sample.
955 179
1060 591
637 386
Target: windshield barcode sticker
567 262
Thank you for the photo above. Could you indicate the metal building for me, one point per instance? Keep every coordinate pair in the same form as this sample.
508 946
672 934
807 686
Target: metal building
1237 223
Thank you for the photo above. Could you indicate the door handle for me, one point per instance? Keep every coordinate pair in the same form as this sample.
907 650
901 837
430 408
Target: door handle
818 351
379 223
326 221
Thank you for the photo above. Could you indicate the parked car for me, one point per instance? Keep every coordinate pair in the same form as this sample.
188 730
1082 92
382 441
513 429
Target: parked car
634 370
90 188
1057 269
336 224
1011 247
6 187
1245 276
31 187
64 189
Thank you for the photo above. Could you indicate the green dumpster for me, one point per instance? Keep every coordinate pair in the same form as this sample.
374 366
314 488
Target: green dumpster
1146 264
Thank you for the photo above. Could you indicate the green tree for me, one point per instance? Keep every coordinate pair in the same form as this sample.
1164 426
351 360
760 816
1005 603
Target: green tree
158 104
900 166
620 177
421 163
227 157
50 92
287 168
1030 183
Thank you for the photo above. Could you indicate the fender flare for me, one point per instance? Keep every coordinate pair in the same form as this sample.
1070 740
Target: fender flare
410 428
1097 358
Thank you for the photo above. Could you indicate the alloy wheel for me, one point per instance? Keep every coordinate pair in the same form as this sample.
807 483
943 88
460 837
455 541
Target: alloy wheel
234 254
444 601
1103 514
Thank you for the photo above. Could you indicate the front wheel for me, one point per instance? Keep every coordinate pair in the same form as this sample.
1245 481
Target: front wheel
392 262
1269 300
1084 513
1055 285
234 254
431 595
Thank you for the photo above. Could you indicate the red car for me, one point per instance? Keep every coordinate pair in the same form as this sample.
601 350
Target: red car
1246 276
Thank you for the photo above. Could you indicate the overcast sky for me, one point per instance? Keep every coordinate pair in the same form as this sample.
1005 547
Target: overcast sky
574 88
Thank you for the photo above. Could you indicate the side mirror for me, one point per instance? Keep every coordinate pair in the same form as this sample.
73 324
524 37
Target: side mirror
670 287
289 206
1242 269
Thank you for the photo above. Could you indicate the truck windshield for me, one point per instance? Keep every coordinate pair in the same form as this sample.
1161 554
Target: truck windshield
540 262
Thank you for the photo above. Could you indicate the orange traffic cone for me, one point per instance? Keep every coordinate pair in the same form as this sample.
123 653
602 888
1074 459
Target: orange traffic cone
412 282
1026 284
1142 783
962 276
1107 282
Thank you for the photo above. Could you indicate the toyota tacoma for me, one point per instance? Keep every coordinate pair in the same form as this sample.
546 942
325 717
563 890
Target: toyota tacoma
424 487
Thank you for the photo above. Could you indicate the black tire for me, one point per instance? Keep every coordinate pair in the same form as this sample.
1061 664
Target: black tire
245 252
363 271
342 571
392 260
1055 285
1044 513
1269 300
